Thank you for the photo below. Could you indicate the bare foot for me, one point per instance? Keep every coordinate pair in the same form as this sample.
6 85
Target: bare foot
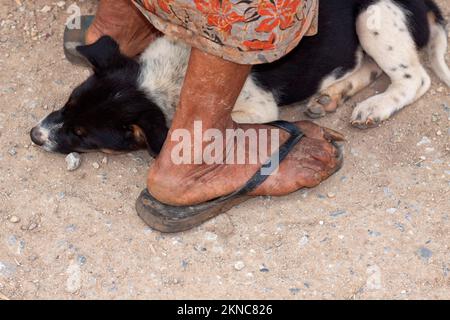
310 162
121 20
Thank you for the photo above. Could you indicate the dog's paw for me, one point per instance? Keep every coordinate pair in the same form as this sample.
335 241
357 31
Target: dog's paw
321 105
372 112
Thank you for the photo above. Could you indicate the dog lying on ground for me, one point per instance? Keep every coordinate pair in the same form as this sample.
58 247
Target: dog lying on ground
128 105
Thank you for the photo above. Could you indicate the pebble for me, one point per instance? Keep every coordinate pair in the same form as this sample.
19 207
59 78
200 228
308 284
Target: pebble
445 270
81 260
210 236
71 228
96 165
425 140
304 240
105 160
263 268
239 265
73 161
31 104
331 195
374 278
32 226
7 269
425 253
14 219
400 226
391 210
73 283
12 152
294 290
374 233
338 213
387 192
446 107
46 9
12 240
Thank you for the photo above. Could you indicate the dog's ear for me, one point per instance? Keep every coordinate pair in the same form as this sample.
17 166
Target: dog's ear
103 54
152 132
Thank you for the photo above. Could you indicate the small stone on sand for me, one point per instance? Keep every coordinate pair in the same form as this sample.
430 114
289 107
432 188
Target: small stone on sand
14 219
73 161
239 265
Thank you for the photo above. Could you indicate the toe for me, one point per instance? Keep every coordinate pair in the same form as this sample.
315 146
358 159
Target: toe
315 111
314 131
332 135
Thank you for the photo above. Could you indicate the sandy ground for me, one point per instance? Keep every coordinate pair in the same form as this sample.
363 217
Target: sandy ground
379 228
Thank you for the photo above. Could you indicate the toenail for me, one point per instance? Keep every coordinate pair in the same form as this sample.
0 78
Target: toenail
324 100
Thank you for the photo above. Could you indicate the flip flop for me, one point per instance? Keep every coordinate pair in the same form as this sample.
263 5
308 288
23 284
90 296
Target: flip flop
170 219
74 37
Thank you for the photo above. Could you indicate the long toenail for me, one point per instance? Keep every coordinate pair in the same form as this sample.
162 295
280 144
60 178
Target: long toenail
316 109
324 100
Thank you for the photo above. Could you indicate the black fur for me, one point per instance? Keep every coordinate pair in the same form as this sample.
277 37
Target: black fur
101 113
298 75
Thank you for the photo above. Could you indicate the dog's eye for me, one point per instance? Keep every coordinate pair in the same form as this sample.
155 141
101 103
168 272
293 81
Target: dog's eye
79 131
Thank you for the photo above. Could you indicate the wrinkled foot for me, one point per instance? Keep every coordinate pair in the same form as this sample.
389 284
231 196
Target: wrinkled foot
310 162
121 20
318 107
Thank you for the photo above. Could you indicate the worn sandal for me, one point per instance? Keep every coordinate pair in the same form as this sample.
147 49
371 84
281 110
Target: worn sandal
74 37
167 218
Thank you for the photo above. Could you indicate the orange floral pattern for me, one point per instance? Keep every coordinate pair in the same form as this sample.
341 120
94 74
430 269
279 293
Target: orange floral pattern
219 13
246 32
277 13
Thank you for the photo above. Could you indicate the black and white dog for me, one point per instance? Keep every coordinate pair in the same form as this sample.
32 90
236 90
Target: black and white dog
127 105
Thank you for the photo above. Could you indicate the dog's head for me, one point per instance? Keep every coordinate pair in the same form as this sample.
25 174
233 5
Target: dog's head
108 112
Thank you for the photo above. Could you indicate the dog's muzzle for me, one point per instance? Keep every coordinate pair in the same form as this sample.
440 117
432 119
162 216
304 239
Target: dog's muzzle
37 136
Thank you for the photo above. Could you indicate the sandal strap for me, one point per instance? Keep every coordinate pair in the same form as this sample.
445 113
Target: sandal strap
259 178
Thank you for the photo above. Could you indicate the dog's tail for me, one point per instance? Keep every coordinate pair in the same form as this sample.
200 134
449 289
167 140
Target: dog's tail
437 46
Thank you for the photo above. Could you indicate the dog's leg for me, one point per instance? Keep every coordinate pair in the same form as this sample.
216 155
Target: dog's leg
255 105
329 99
384 35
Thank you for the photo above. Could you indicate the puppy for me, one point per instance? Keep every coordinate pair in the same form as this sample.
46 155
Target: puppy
128 105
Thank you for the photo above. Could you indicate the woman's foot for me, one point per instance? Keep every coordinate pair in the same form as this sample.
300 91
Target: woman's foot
121 20
211 88
310 162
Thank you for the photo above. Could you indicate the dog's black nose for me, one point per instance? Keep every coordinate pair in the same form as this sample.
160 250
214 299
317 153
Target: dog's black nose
36 136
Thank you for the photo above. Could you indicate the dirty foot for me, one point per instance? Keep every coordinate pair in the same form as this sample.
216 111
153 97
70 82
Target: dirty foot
311 161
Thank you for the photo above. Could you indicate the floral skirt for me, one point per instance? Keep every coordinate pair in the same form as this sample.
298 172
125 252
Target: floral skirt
244 32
